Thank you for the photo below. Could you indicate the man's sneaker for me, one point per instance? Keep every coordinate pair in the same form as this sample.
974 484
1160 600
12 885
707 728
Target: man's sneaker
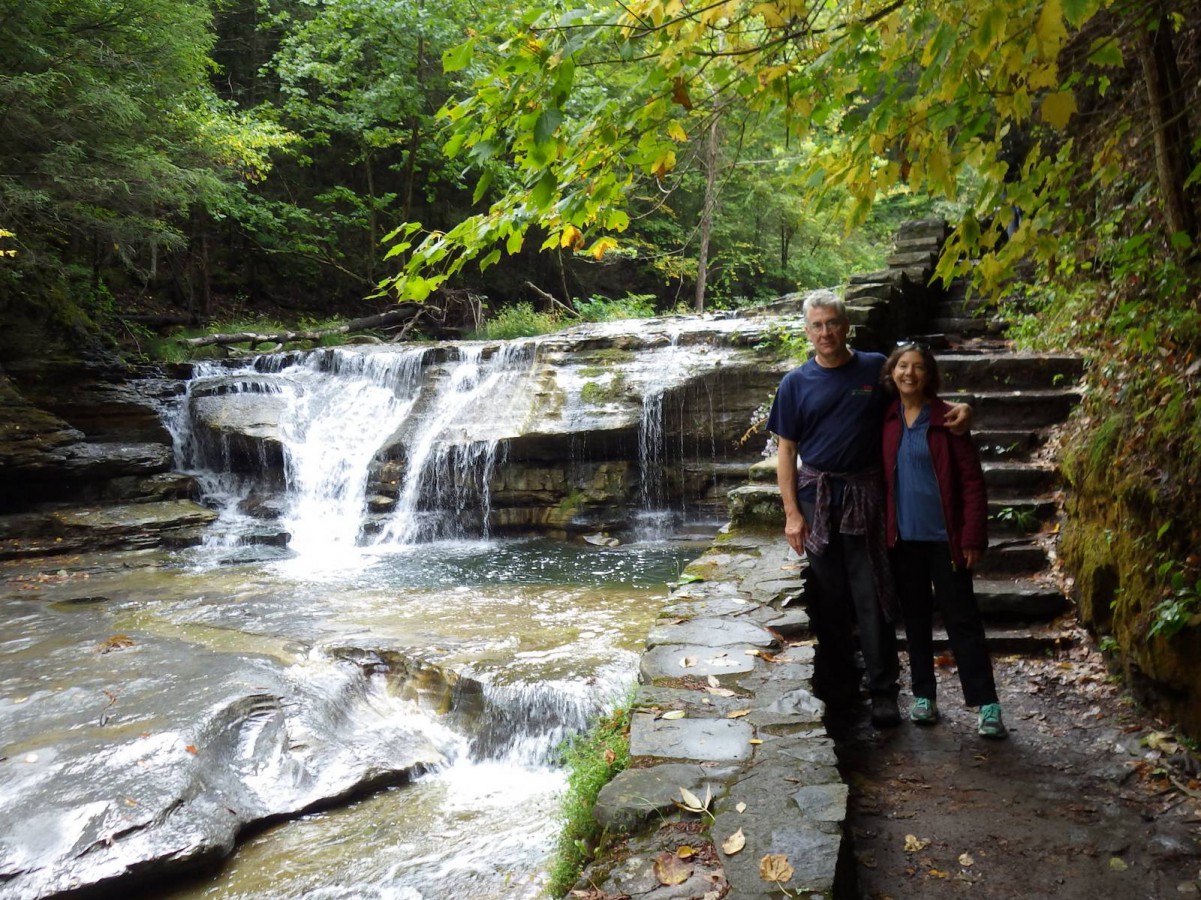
885 713
924 711
991 724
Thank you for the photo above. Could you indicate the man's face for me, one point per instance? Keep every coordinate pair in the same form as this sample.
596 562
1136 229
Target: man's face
827 333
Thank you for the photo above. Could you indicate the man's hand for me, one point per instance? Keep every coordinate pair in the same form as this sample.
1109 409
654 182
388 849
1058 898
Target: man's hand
959 418
796 529
972 557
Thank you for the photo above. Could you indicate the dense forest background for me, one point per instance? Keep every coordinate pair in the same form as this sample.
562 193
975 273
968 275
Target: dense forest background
195 162
169 163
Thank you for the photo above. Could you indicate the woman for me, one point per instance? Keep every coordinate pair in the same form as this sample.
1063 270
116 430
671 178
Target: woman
937 532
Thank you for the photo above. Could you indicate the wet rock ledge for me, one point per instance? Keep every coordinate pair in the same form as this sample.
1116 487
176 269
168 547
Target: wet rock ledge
733 654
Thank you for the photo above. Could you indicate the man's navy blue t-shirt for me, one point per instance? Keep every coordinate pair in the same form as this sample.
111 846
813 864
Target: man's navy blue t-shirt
834 415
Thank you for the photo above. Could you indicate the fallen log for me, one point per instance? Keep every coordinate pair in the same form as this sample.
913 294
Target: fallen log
391 318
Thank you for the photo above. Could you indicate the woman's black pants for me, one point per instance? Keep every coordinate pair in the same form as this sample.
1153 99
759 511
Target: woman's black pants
925 576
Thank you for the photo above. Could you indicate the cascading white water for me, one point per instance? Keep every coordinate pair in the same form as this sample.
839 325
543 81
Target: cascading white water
343 407
337 422
450 458
651 438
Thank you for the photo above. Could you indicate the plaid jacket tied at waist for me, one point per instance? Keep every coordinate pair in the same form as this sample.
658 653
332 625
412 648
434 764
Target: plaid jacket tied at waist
862 514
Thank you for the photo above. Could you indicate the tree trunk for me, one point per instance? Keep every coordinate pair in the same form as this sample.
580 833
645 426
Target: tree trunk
372 216
702 262
1169 119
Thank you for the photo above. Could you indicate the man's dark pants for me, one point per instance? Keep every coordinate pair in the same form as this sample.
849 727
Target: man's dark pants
845 594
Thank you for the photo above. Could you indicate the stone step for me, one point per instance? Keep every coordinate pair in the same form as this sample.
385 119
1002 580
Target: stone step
1020 516
970 325
1008 371
1010 557
1018 409
1017 641
998 444
1019 479
1025 599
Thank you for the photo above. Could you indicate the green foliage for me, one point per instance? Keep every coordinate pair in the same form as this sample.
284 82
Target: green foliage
518 321
1182 605
112 138
602 309
592 760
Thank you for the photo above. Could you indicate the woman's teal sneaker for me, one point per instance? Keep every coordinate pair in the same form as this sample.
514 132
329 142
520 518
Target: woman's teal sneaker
991 725
924 711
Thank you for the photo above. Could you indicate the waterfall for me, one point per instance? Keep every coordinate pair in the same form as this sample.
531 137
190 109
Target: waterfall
334 428
342 412
450 458
652 440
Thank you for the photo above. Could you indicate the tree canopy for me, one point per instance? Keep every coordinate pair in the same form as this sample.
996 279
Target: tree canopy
973 101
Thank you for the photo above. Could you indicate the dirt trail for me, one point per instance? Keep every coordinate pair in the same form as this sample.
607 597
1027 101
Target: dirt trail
1089 797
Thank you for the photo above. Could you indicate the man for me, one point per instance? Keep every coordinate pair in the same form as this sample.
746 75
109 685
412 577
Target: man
827 415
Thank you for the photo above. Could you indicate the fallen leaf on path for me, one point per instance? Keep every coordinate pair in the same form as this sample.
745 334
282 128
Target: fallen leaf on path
685 852
687 662
610 756
754 741
670 869
965 860
741 807
937 873
944 661
673 714
738 713
116 642
734 843
1118 864
913 844
712 681
720 692
775 867
693 803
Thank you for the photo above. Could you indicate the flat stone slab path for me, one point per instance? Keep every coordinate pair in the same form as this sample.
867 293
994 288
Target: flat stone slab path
739 777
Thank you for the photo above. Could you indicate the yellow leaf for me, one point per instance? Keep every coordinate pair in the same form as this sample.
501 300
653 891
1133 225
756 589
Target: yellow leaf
676 132
664 164
738 713
775 867
1118 864
685 852
673 714
571 237
734 843
965 860
755 741
598 251
770 13
720 692
1057 108
937 873
913 843
670 869
1050 31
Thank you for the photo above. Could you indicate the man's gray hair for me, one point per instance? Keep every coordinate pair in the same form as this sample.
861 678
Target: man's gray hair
825 300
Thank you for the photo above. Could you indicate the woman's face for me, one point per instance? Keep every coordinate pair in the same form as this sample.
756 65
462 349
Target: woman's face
910 376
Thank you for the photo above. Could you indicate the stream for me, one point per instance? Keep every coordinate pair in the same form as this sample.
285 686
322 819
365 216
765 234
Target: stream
350 687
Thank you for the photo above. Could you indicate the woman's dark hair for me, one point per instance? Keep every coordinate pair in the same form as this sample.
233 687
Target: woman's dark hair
933 381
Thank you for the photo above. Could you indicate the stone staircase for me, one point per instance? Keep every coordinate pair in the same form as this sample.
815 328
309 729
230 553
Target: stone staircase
1018 400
